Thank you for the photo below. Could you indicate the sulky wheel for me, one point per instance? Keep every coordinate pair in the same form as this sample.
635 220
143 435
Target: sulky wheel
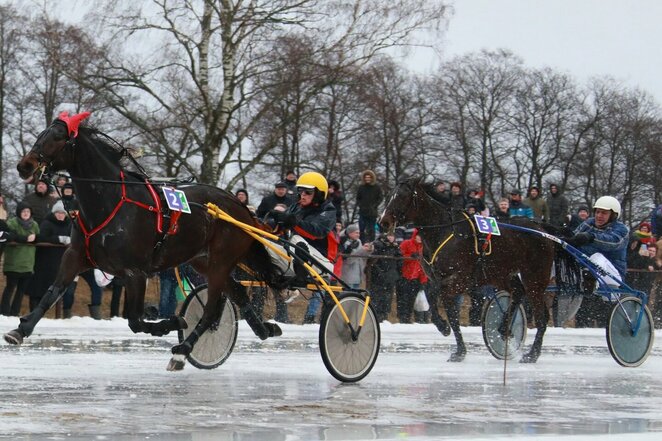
346 358
216 344
493 316
629 348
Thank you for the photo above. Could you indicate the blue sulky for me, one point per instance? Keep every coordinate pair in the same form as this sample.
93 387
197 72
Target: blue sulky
630 330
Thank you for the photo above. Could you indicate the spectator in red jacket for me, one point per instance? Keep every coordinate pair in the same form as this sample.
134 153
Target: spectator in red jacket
413 277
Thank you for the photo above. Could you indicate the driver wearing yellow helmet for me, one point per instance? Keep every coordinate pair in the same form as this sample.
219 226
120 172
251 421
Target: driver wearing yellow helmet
312 218
311 221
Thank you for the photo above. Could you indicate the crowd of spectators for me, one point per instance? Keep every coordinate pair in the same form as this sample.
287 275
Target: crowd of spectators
388 263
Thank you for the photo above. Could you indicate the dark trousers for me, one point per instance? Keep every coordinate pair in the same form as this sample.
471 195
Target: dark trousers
406 296
593 312
381 298
95 289
367 228
12 296
281 315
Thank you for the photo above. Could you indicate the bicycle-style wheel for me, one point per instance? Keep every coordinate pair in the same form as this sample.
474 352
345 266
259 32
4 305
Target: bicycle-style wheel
628 348
493 316
216 344
349 359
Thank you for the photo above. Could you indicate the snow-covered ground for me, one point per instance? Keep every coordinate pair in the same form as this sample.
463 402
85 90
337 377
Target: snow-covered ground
83 379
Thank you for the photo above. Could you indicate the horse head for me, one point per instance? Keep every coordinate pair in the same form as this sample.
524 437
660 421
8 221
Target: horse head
404 204
47 151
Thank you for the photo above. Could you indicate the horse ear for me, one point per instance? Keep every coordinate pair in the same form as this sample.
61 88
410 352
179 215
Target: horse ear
73 122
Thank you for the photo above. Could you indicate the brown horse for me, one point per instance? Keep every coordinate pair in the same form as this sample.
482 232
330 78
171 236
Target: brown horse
517 262
124 229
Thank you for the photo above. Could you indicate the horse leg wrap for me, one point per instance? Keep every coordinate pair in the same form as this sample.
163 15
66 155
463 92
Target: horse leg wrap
184 348
164 327
30 320
255 322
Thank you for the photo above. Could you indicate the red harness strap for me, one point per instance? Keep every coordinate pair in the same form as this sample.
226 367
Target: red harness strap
155 208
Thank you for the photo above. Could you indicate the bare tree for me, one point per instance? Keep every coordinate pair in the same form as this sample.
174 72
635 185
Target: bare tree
11 43
542 121
197 81
472 101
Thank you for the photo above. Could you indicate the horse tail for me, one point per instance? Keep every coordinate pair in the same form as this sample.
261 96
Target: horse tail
261 265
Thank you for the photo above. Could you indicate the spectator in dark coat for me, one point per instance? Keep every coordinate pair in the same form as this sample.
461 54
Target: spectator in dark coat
458 200
576 219
290 182
641 257
55 230
475 198
279 196
656 222
368 198
384 274
442 191
40 201
336 197
558 207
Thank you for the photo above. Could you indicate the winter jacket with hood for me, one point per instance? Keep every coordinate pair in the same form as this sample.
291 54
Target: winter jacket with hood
558 208
539 207
20 258
369 196
412 269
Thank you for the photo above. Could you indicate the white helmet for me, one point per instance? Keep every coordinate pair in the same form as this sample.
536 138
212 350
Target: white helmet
608 203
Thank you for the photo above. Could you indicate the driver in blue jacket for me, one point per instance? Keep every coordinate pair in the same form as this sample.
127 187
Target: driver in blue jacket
604 238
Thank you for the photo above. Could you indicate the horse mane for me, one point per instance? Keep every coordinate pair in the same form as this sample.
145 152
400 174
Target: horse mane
113 150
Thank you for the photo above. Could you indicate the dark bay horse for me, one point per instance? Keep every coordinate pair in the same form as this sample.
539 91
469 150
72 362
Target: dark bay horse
125 229
517 262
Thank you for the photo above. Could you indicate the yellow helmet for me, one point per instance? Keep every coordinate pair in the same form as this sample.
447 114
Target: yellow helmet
314 180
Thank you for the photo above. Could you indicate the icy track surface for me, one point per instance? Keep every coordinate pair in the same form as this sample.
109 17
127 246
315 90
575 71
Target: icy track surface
84 379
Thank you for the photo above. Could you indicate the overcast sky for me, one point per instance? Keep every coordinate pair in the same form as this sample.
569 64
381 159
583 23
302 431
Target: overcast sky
622 39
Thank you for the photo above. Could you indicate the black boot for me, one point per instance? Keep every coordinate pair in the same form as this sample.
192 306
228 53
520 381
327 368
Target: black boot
95 311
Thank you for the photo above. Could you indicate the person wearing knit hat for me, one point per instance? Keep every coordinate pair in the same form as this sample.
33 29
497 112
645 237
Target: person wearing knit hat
242 195
354 256
19 259
40 201
56 230
58 208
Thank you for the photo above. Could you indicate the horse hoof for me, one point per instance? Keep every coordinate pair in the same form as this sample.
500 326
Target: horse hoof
274 329
528 358
444 329
14 337
456 358
176 363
